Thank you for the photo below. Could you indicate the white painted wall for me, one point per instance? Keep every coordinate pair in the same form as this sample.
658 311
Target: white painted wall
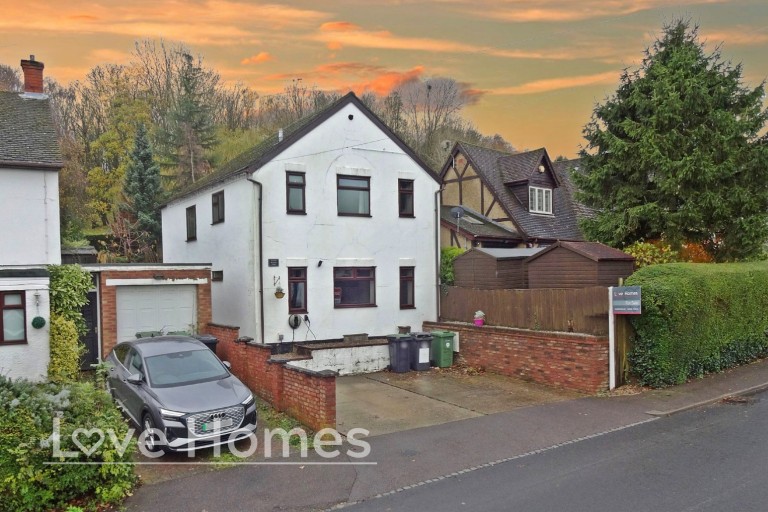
230 246
347 360
29 361
29 207
384 241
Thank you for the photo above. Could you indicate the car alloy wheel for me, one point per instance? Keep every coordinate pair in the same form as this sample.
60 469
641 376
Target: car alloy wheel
151 441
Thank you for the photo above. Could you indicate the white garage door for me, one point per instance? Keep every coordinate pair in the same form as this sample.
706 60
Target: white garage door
154 308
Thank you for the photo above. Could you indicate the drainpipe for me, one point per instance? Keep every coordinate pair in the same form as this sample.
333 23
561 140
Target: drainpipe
261 260
437 249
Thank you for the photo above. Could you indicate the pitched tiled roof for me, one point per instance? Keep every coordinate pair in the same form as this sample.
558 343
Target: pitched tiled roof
519 166
564 168
255 157
496 167
27 133
476 224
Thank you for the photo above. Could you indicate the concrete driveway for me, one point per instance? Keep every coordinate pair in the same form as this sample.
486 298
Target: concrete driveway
387 402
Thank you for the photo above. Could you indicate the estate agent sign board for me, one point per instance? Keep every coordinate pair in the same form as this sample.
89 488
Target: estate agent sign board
626 300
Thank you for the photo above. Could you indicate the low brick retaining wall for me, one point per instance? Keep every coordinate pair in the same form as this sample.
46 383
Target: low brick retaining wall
307 395
566 360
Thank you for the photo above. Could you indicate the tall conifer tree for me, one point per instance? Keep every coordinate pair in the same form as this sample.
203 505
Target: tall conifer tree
674 153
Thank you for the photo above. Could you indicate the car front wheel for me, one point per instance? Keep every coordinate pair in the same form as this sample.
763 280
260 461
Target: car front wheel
152 440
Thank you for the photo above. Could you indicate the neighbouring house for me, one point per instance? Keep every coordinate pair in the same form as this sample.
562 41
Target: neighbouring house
492 269
329 227
30 160
524 194
578 265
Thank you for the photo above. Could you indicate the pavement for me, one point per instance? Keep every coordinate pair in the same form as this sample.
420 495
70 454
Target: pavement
418 456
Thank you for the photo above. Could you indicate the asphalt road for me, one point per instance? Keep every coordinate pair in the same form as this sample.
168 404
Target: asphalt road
710 459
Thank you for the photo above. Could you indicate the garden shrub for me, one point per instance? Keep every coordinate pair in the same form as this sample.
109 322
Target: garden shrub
447 255
26 444
651 253
66 350
698 319
69 293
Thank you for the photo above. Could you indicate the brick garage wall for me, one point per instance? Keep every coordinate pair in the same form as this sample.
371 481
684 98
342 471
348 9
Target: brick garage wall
108 298
307 395
566 360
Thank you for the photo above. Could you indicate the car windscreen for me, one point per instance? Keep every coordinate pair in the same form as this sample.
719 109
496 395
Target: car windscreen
179 368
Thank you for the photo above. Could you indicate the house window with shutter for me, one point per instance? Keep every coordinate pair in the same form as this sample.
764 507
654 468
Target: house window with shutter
539 200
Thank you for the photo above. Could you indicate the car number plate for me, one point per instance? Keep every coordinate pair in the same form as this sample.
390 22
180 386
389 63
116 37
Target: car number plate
216 425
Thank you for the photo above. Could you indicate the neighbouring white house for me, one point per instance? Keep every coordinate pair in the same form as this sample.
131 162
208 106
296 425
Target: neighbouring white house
30 160
335 211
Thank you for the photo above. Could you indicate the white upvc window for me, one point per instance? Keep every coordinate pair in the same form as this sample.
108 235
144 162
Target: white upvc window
540 200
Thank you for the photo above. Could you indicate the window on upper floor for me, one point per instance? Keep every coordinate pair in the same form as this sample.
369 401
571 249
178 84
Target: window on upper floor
354 287
405 197
191 223
354 195
539 200
407 300
297 289
13 318
217 207
295 193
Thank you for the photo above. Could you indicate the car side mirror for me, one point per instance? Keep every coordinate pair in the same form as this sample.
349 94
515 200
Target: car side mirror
136 378
227 364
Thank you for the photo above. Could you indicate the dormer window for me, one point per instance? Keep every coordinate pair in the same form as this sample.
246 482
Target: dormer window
539 200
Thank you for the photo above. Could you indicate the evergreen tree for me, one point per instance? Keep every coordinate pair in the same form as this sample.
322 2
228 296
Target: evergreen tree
673 154
190 129
139 226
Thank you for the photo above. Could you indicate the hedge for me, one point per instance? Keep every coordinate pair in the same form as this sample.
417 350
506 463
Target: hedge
66 350
30 476
698 319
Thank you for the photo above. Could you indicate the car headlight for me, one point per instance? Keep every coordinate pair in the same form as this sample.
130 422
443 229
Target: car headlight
171 415
248 401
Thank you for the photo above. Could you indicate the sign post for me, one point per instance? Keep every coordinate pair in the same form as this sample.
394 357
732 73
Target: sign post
622 300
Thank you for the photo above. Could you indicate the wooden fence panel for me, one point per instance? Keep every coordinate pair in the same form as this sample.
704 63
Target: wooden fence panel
583 310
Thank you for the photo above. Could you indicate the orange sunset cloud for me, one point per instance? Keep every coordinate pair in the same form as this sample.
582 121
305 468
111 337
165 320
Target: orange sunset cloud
567 11
554 84
258 58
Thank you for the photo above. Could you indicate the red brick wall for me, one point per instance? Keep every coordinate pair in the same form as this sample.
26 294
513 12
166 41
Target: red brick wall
566 360
108 298
308 396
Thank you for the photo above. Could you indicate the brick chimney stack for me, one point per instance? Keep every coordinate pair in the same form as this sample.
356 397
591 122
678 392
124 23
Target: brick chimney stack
33 75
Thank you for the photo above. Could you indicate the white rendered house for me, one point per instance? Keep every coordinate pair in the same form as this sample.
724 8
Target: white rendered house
336 211
30 159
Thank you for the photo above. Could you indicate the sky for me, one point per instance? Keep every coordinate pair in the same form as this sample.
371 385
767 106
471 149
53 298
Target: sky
538 67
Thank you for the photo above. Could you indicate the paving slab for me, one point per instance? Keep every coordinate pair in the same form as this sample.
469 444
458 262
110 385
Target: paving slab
387 402
362 402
